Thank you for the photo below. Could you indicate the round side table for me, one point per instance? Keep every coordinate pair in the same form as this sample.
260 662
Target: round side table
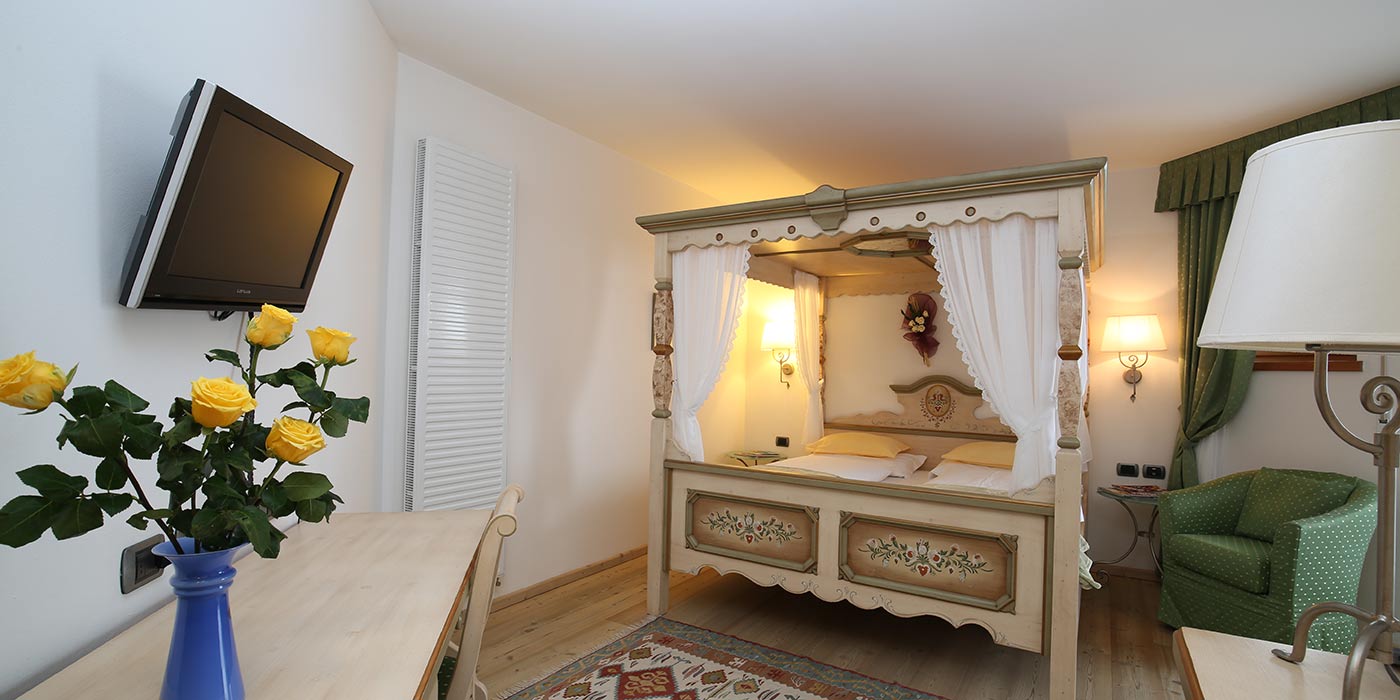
1149 534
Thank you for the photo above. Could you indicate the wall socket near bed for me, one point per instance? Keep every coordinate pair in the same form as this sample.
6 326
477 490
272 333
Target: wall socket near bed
782 441
1125 469
1154 471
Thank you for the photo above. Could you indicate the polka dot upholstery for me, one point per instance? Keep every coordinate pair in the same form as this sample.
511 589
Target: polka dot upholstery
1310 560
1276 497
1238 561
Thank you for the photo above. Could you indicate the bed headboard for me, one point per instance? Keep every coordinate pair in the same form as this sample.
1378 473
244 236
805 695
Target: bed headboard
938 409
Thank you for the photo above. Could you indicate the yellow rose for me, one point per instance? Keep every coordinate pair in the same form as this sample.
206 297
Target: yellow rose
330 345
217 403
271 328
294 440
29 383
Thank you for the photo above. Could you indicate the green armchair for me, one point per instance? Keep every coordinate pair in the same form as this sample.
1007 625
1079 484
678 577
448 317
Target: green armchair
1247 553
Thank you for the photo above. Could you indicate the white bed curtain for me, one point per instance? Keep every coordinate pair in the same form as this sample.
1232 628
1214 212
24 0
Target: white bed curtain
1000 286
709 298
807 300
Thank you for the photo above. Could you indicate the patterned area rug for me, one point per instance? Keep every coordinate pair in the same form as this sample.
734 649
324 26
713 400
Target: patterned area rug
668 660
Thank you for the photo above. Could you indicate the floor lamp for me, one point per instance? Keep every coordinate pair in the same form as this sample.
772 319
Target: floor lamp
1312 264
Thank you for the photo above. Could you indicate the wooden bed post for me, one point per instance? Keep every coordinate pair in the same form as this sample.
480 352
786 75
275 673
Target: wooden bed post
662 327
1069 462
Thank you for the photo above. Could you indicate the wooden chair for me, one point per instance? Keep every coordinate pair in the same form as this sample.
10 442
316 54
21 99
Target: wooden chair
465 646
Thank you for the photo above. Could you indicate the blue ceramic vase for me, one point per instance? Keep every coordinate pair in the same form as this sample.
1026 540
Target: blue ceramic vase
203 663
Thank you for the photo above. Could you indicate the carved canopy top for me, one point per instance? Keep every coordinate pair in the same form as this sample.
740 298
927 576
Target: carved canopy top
913 205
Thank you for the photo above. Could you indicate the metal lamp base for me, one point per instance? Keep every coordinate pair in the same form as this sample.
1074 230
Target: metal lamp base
1379 396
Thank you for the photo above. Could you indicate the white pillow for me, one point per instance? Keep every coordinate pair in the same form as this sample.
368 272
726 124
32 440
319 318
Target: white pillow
958 474
906 464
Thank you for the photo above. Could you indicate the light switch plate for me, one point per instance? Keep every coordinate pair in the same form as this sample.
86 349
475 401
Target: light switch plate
1125 469
1154 471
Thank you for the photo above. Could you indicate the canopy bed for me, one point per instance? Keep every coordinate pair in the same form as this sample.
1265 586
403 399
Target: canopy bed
1001 550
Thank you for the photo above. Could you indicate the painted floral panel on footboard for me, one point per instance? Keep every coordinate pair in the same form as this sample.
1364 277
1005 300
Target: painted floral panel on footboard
963 566
767 532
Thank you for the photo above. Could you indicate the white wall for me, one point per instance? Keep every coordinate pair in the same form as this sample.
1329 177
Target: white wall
580 399
866 352
90 93
772 408
1138 277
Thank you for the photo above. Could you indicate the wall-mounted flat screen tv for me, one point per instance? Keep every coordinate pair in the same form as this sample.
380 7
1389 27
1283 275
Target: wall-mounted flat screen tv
241 212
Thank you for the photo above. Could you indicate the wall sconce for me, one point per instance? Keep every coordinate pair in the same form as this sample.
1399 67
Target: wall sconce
779 338
1137 336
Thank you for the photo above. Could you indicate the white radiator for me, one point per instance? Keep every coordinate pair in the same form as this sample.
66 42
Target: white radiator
459 334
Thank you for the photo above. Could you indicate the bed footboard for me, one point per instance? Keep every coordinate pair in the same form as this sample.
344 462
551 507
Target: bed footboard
909 551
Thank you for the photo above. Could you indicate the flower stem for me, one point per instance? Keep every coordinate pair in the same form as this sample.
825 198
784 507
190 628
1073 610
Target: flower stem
257 498
146 503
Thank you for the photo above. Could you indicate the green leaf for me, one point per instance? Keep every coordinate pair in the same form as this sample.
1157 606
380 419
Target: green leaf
253 440
221 494
177 461
229 356
143 436
179 408
25 518
313 511
182 520
304 486
266 539
113 503
239 459
87 401
110 474
274 499
294 404
309 391
209 524
76 518
283 376
183 431
334 423
52 483
97 437
140 519
355 409
121 397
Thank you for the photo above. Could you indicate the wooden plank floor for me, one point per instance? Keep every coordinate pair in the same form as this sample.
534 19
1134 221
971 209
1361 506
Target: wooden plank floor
1123 651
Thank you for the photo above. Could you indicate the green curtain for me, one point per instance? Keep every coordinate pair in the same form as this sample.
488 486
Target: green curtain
1213 382
1202 188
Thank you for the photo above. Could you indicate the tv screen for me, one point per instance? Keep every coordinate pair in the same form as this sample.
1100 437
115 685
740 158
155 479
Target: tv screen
241 213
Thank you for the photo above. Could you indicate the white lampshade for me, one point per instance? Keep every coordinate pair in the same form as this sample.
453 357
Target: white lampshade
778 335
1313 253
1133 334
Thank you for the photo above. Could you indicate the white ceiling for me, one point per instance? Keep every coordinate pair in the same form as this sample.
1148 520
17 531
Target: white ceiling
747 99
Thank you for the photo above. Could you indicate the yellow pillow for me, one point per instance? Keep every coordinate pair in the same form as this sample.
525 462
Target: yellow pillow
862 444
985 454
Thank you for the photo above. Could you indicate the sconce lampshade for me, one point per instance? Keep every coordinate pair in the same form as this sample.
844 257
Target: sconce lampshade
1312 251
1133 334
778 335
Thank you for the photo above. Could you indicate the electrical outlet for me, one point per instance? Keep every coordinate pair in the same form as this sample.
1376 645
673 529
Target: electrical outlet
1125 469
1154 471
782 441
140 565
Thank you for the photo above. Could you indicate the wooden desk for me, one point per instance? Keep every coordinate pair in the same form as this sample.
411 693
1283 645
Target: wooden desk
1215 666
355 608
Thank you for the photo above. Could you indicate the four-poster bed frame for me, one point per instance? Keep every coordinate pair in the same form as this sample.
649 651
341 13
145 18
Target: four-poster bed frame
835 538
